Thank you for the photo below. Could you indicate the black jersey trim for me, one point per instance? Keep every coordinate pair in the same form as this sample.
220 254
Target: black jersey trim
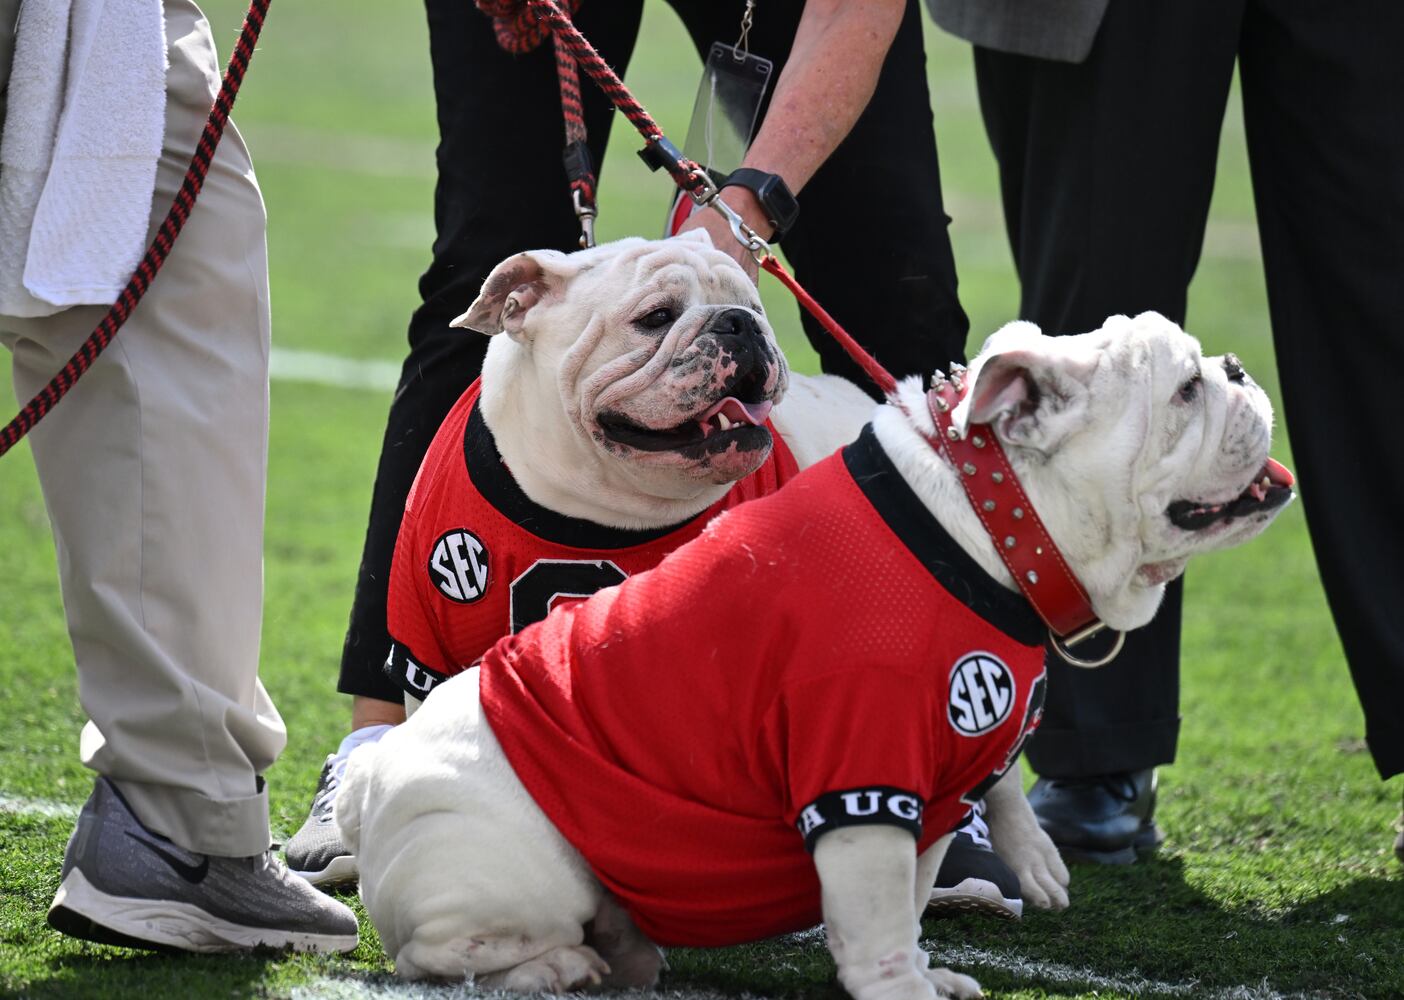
957 573
875 805
408 674
495 482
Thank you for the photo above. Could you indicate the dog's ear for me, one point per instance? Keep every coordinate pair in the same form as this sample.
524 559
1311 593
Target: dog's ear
513 287
1029 393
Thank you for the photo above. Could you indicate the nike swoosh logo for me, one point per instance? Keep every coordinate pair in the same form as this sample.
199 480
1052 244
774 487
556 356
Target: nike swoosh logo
191 873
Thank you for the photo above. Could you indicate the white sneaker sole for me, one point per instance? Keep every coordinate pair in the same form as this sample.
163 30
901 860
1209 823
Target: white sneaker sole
184 926
341 871
974 895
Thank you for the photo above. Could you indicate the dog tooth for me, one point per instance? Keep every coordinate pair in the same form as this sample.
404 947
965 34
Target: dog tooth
725 423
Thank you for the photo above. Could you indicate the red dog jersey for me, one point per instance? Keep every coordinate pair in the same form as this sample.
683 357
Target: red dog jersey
476 558
822 657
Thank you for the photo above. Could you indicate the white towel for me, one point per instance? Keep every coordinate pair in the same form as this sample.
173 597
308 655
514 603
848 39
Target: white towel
82 136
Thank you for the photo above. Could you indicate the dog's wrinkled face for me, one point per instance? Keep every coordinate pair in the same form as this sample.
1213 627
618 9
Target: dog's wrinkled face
660 353
1140 451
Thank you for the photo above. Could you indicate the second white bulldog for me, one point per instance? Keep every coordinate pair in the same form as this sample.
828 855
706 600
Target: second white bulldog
837 667
636 380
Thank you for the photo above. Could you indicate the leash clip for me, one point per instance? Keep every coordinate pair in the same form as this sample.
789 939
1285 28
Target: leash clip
706 194
585 212
581 174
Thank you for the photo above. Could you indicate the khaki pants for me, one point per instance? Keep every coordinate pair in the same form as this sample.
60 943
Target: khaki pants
153 470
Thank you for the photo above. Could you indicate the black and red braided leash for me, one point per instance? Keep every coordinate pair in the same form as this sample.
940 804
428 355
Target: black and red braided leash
518 30
48 397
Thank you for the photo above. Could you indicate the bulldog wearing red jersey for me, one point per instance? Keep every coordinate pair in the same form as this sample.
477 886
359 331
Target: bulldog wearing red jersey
783 721
769 642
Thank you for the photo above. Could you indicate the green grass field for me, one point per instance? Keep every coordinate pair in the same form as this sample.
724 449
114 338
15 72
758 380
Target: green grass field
1276 877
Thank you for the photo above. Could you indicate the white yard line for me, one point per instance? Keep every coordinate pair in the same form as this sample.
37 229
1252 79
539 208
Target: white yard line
970 960
46 808
332 370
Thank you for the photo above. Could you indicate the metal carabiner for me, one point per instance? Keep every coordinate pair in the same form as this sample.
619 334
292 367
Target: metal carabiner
708 196
585 213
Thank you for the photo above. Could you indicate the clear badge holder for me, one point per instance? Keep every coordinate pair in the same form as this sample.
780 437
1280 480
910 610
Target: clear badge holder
724 117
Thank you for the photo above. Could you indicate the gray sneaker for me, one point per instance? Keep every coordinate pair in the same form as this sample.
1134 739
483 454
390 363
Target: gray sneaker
316 852
125 885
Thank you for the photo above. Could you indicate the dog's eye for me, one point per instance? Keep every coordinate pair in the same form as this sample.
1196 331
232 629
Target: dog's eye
657 319
1191 388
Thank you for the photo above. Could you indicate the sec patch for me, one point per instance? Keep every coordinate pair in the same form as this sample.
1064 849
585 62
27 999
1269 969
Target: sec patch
982 693
458 566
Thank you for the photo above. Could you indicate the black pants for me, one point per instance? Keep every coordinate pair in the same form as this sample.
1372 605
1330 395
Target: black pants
881 265
1107 168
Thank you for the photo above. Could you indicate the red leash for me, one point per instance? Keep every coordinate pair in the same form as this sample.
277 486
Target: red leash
47 398
881 377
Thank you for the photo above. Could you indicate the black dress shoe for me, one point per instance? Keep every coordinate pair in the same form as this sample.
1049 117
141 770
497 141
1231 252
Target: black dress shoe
1108 819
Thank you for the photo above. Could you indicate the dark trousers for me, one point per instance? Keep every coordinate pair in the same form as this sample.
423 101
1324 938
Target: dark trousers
881 265
1107 168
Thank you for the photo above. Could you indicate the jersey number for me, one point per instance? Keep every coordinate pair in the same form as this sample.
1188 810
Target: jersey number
536 591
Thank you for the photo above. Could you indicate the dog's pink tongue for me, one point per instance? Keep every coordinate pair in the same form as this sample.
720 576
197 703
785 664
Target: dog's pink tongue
1278 474
739 412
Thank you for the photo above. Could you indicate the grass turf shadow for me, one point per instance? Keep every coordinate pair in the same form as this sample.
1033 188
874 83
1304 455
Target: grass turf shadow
102 972
1146 924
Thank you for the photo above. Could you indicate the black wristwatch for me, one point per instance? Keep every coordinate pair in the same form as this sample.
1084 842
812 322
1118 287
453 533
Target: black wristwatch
780 205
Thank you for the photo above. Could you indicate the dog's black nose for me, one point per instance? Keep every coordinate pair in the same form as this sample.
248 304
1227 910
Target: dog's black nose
734 323
1234 368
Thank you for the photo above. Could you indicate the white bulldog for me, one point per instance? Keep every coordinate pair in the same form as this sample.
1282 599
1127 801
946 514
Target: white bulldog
655 355
1136 451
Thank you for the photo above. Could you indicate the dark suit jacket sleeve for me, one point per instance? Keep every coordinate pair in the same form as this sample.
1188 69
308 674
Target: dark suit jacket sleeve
1049 29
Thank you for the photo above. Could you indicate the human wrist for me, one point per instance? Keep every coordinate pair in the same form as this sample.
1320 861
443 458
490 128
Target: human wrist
744 202
770 197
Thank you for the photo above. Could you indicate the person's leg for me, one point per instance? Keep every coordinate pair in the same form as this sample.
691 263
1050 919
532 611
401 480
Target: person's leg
153 471
502 188
1321 102
1106 170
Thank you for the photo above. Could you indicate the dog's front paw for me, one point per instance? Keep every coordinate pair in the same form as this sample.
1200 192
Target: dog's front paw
560 970
1033 857
902 975
953 984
